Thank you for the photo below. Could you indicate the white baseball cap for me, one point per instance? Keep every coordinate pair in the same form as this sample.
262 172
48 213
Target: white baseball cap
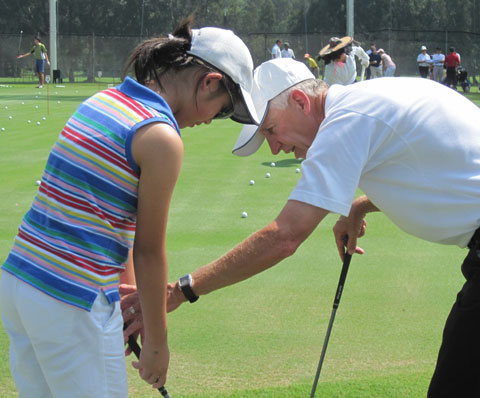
423 48
270 79
225 51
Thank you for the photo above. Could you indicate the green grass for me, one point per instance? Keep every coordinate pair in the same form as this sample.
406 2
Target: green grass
262 337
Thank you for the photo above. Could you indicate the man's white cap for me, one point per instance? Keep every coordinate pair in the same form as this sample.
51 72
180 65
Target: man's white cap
225 51
270 79
423 48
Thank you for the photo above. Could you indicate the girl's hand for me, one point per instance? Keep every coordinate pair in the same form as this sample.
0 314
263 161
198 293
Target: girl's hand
153 363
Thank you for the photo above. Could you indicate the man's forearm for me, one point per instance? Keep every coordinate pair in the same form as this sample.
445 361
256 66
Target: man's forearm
362 205
258 252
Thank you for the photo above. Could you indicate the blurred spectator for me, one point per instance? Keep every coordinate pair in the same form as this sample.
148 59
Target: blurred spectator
312 64
438 60
452 62
375 63
389 66
423 61
276 52
287 52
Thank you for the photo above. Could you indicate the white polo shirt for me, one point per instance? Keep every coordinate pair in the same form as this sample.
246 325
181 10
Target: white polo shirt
412 145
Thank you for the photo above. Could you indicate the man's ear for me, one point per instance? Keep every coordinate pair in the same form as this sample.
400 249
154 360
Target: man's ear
300 100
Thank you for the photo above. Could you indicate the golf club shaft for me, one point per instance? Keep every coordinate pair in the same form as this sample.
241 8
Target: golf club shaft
132 343
336 302
20 42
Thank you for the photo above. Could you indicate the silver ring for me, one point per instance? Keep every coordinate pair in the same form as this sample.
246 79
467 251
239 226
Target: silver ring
132 310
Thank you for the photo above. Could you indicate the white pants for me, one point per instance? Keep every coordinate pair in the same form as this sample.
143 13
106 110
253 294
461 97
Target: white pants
61 351
376 71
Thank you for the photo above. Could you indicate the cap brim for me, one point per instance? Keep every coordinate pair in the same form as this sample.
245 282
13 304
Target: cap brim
250 138
243 110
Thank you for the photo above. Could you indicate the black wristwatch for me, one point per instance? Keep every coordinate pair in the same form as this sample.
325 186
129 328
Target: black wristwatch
185 285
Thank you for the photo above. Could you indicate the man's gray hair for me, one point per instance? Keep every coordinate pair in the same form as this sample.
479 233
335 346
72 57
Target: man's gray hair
311 87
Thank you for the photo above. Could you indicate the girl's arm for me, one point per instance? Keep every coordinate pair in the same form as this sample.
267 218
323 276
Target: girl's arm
158 151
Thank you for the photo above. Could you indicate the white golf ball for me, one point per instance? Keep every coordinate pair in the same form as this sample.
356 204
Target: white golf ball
23 103
272 164
36 106
267 175
38 182
6 107
28 121
10 117
58 102
44 118
36 96
244 214
38 123
252 182
297 170
3 128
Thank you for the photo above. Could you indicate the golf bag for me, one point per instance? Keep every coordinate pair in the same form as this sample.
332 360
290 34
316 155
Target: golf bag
462 79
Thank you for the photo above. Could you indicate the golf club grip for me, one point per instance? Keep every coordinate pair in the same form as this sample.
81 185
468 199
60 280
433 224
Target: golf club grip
132 343
343 275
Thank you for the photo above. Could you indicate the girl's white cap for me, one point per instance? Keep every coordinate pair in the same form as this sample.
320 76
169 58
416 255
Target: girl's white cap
225 51
270 79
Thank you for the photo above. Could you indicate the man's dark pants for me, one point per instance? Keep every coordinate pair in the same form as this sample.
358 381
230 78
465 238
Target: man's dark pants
457 374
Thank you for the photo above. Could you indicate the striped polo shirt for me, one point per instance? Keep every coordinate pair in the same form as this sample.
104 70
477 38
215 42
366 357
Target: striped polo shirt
75 238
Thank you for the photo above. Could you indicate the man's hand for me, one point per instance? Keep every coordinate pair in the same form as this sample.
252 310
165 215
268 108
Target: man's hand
349 229
175 297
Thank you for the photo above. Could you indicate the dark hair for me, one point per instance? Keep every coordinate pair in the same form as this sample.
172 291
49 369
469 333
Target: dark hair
37 38
154 57
452 49
336 54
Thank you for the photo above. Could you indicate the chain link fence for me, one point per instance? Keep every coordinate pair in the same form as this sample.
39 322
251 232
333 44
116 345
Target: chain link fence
81 58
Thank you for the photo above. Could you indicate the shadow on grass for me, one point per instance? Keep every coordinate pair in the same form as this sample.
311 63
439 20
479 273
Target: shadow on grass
284 163
403 385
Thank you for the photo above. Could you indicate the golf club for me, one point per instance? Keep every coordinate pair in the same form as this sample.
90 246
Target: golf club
132 343
343 275
20 42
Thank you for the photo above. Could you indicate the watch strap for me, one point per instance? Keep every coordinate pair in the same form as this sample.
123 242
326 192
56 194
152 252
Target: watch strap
185 285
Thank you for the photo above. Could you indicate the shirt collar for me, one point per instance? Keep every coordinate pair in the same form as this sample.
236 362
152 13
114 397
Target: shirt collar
146 96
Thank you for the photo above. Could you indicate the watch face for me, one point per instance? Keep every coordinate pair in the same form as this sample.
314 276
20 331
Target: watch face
185 281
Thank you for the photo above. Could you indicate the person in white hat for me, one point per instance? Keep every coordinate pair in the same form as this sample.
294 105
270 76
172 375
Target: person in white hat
107 187
402 143
424 62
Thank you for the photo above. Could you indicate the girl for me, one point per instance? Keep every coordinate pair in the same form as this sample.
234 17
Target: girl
107 187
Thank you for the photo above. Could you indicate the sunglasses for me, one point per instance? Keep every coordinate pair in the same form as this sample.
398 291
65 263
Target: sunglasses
227 111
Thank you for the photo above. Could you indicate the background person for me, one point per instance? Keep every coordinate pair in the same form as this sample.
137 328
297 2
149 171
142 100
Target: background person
423 62
452 62
287 52
382 136
276 52
107 187
41 56
438 60
312 64
388 65
339 57
375 63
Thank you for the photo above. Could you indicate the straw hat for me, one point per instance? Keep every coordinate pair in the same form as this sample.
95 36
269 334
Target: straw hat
335 44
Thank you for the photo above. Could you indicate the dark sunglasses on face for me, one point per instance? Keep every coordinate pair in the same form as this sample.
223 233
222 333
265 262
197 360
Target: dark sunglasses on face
227 111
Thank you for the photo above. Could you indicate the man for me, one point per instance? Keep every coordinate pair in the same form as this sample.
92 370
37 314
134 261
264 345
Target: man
375 63
423 62
452 62
276 52
438 60
41 56
389 138
312 65
339 57
287 52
